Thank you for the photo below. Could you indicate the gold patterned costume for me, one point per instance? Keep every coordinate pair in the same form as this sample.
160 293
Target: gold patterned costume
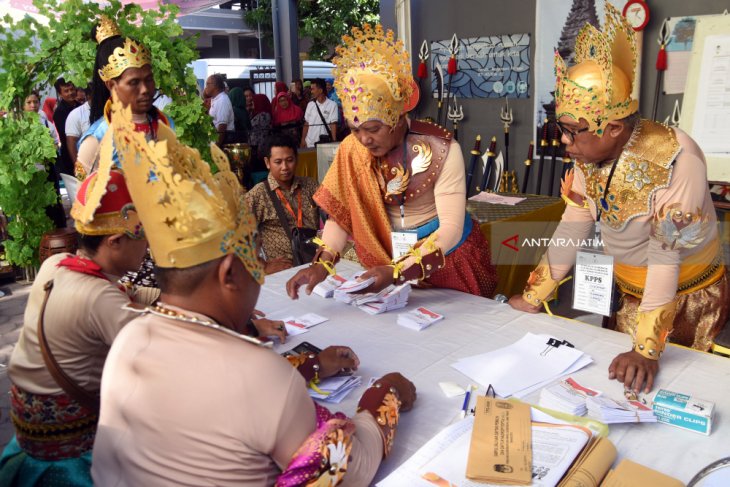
657 219
419 185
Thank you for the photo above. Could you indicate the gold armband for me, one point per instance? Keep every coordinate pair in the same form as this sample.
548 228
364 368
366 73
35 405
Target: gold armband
427 258
79 171
540 284
329 265
572 203
652 329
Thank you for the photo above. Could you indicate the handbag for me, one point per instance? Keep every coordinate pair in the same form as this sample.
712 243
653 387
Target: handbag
301 248
324 138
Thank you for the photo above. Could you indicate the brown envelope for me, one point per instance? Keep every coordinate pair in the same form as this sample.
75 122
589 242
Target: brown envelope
501 443
592 464
631 474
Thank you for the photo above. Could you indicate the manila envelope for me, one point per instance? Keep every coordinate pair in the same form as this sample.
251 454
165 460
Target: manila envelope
501 443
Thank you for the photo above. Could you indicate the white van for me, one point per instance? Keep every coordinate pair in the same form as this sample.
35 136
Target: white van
259 73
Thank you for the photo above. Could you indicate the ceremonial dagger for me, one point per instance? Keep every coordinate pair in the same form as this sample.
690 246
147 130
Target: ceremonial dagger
439 76
476 153
491 153
423 55
543 149
528 164
451 69
555 143
506 116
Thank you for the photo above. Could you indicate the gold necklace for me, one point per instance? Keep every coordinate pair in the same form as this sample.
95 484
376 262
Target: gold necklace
164 312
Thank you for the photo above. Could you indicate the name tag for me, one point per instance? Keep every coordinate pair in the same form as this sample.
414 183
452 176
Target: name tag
402 242
593 282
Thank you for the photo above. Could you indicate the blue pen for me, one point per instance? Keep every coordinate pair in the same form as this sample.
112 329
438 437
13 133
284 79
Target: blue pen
465 407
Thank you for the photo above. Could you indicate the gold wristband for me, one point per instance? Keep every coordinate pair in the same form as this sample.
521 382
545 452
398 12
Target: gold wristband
570 202
540 284
652 329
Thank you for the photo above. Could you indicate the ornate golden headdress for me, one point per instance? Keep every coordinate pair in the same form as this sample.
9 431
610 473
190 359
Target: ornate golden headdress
190 216
132 54
373 76
107 28
598 88
103 206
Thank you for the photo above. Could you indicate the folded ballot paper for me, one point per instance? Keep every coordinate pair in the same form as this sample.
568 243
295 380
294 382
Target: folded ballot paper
567 396
327 288
419 318
345 293
334 389
530 363
390 298
611 411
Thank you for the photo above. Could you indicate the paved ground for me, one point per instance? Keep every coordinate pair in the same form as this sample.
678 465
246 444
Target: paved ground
11 319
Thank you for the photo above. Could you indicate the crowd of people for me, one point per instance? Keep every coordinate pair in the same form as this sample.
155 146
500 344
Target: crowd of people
169 379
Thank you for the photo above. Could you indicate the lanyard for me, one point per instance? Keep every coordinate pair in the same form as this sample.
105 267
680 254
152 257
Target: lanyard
603 202
404 162
298 216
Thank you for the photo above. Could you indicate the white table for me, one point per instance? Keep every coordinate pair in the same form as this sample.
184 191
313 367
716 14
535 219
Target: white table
476 325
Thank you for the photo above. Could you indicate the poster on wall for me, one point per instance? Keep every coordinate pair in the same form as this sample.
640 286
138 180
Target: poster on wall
558 23
488 67
679 53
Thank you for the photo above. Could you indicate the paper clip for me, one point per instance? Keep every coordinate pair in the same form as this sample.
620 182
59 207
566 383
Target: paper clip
490 389
551 344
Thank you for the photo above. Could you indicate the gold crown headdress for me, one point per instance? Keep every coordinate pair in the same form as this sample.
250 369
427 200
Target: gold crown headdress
132 54
190 216
107 28
598 88
372 76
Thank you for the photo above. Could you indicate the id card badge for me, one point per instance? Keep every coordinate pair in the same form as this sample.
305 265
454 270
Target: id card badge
593 282
402 242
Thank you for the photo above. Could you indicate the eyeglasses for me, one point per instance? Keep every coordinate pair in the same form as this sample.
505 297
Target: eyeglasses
570 133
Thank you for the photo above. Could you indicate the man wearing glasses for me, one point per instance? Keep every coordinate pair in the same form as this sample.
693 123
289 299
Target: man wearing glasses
643 187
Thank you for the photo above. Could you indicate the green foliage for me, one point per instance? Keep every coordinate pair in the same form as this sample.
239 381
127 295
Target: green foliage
323 21
33 55
24 188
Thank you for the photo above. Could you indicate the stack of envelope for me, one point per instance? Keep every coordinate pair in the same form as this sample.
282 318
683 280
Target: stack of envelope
610 411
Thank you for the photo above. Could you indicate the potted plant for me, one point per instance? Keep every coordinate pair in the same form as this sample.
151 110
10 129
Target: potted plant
33 55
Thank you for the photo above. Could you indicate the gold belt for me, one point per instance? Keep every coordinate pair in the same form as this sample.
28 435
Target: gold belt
706 277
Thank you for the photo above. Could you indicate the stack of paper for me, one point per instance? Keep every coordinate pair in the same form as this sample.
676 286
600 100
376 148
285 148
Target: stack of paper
611 411
532 362
335 389
390 298
353 285
298 325
443 459
327 288
419 318
567 396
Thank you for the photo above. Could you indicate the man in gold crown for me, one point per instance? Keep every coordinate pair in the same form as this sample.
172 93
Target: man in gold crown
397 186
122 66
187 398
644 185
74 312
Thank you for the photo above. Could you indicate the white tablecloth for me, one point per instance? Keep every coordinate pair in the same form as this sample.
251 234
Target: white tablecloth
475 325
